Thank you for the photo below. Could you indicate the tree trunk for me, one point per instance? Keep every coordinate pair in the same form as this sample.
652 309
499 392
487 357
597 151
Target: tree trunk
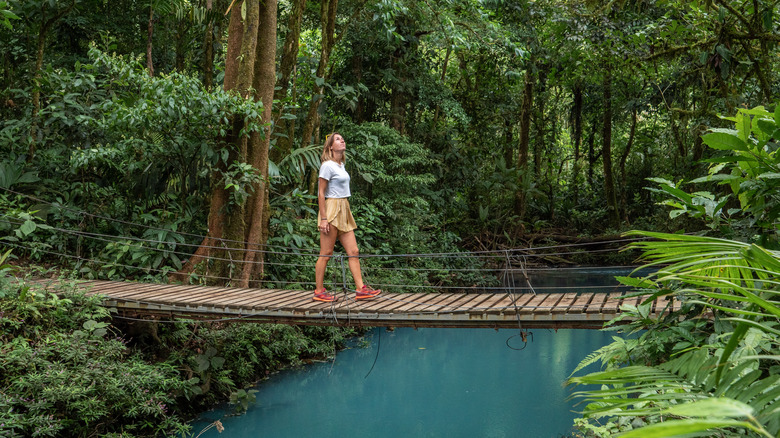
149 33
226 219
357 77
264 84
592 156
208 49
525 137
539 141
622 165
328 24
284 144
36 95
606 134
398 95
181 33
441 79
576 139
509 141
682 152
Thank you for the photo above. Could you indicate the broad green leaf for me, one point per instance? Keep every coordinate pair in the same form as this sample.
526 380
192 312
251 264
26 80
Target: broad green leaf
27 227
724 141
712 407
672 428
636 282
716 177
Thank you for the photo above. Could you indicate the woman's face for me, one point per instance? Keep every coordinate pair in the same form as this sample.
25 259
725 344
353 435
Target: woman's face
339 145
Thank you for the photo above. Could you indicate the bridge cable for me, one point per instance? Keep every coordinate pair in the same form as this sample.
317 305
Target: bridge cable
523 333
456 254
378 346
103 238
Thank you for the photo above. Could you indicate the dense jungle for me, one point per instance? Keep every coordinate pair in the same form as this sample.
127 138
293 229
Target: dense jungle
179 141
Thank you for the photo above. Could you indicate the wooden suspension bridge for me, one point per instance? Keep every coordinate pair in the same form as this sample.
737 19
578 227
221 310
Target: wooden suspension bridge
473 310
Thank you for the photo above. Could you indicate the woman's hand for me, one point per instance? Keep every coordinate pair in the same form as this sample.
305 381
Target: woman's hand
324 227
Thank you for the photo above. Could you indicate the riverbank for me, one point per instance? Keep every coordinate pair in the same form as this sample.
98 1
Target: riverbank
71 369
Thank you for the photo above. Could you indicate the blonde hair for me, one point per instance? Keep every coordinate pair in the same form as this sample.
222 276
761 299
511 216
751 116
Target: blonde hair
327 149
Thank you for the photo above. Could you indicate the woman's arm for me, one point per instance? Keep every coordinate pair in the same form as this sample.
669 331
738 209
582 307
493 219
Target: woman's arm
323 225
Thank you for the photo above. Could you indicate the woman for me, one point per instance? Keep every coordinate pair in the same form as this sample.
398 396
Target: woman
335 220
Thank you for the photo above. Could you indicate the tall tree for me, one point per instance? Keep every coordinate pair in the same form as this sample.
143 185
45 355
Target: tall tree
46 13
264 82
327 41
249 71
606 150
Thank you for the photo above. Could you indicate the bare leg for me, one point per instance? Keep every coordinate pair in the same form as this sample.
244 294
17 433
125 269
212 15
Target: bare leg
327 242
350 246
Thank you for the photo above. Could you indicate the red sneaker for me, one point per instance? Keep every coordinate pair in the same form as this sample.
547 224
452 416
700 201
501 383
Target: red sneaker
366 292
324 296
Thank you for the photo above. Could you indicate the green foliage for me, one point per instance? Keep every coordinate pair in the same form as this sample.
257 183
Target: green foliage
749 165
121 144
65 374
712 364
12 173
6 15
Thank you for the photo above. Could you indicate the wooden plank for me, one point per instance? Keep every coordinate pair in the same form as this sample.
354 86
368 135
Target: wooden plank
449 304
433 305
301 300
676 304
531 305
142 293
491 303
97 283
98 286
410 302
125 288
511 303
208 297
175 295
152 295
282 301
597 303
463 303
548 304
200 294
480 301
319 305
664 305
395 302
135 289
414 300
565 302
634 301
241 301
277 300
233 300
612 304
384 303
262 301
581 303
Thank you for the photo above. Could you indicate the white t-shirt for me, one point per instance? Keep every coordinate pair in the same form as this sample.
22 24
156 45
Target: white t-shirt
338 179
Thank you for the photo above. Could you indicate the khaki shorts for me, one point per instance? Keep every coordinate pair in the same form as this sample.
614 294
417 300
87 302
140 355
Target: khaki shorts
339 214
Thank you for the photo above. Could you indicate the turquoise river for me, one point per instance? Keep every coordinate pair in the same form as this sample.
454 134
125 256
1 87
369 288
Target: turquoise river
424 383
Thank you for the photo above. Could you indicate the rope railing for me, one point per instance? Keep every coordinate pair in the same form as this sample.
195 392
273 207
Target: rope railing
123 241
338 284
499 252
491 271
